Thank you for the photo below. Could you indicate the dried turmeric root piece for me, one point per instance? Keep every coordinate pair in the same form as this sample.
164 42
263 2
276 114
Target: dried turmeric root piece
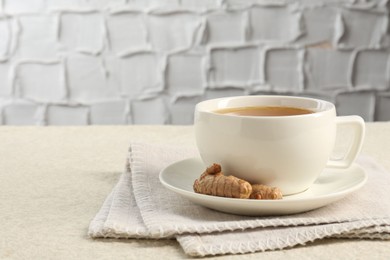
263 192
213 182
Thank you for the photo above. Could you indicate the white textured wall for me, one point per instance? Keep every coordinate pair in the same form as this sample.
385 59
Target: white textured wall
150 61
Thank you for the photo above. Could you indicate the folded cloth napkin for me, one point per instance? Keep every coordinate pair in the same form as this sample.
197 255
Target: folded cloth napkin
140 207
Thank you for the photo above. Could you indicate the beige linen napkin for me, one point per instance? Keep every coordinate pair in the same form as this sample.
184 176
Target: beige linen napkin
140 207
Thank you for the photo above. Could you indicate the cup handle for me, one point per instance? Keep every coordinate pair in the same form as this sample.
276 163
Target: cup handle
357 123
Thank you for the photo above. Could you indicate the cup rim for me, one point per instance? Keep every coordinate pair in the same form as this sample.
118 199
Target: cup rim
325 108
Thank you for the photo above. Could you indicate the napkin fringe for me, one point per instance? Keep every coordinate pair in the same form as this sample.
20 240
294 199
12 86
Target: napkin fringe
195 247
96 227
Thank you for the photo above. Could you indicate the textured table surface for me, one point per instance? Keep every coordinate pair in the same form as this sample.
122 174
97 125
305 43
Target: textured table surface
53 181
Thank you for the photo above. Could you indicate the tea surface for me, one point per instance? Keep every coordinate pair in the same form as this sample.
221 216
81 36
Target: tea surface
264 111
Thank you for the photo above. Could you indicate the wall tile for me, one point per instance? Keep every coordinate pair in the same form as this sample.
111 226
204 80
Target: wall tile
127 31
182 110
38 37
87 79
5 84
155 3
48 87
67 115
327 69
282 69
185 75
83 32
371 69
223 92
202 4
319 25
109 113
285 24
5 36
172 32
106 3
234 67
238 4
383 107
226 27
315 3
137 75
363 28
66 4
20 113
22 6
149 111
356 103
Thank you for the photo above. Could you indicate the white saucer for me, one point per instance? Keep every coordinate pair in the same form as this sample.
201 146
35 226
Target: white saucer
331 186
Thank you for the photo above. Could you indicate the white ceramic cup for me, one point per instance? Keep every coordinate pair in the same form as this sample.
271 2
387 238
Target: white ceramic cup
288 152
